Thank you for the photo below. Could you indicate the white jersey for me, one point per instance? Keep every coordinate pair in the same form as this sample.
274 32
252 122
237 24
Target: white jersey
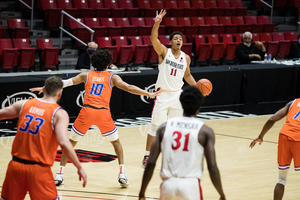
171 72
182 154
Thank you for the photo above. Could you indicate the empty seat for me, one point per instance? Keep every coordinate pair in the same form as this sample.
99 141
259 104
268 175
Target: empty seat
172 25
47 53
150 21
238 37
8 54
202 49
202 11
130 10
217 48
127 28
214 9
188 11
115 10
265 21
145 8
239 21
140 26
79 31
107 43
172 8
272 46
2 32
252 21
229 47
67 6
284 45
26 54
255 37
291 36
83 8
124 50
140 50
110 25
240 10
189 29
227 23
99 9
94 23
227 9
216 28
202 27
17 28
153 57
52 13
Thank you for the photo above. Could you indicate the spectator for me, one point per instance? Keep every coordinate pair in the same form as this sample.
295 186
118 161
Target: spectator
84 59
248 51
295 49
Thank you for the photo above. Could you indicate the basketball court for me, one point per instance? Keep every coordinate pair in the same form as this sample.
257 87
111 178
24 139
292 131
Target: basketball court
246 173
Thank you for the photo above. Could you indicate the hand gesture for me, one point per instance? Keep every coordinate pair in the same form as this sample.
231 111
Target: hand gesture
258 56
39 89
258 43
259 140
83 176
159 16
157 93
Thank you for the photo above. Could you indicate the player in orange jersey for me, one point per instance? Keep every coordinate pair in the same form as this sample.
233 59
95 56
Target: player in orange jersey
96 110
42 126
288 142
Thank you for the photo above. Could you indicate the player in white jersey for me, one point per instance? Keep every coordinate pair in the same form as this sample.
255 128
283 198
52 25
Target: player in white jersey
174 65
183 141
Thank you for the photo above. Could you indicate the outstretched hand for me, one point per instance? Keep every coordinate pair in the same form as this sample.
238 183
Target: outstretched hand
157 93
159 16
37 89
255 141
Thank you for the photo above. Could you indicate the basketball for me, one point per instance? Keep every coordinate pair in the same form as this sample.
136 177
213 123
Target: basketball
205 86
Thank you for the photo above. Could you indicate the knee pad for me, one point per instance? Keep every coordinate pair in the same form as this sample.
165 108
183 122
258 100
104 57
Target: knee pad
152 130
282 178
74 136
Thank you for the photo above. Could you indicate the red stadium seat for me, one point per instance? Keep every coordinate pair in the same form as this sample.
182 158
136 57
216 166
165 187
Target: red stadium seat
17 28
239 21
149 21
271 46
47 53
240 10
99 9
127 28
214 9
94 23
110 25
83 8
229 46
238 37
227 23
52 13
153 57
202 49
172 8
284 45
291 36
188 11
124 50
265 21
146 9
200 22
140 27
26 54
107 43
2 32
8 54
189 29
216 28
79 31
115 10
172 25
202 11
252 21
140 50
227 9
67 6
130 11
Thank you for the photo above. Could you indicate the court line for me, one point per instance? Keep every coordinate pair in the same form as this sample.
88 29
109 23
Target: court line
244 138
89 192
85 197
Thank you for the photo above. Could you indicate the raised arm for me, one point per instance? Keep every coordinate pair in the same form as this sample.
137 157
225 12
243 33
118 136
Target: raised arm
80 78
119 83
269 124
12 111
160 49
154 153
188 77
61 122
210 155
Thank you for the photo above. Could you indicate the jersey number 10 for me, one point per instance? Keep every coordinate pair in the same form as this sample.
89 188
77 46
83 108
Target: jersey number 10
178 143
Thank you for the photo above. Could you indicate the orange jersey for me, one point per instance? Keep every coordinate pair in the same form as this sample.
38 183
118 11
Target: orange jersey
291 128
98 89
35 139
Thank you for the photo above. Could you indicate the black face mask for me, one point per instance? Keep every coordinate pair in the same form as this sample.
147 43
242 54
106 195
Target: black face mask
91 51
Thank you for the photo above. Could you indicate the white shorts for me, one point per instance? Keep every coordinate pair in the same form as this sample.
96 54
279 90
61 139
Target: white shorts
181 188
166 106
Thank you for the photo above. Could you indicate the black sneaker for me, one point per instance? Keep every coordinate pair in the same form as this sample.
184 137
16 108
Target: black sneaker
145 160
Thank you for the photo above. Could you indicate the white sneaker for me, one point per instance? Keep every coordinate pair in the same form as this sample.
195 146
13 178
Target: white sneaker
123 180
59 179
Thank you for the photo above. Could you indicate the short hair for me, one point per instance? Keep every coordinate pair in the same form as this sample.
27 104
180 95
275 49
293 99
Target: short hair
247 33
175 33
88 44
101 59
53 84
191 100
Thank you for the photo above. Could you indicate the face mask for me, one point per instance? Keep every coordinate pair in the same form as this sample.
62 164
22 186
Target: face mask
247 44
91 51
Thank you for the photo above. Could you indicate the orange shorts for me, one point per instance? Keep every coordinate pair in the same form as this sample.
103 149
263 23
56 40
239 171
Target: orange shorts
99 117
33 178
288 149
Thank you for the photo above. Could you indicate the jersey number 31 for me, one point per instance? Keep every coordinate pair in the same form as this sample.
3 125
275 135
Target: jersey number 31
178 142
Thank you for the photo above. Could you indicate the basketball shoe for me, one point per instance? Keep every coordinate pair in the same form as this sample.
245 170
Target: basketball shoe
59 179
145 160
123 180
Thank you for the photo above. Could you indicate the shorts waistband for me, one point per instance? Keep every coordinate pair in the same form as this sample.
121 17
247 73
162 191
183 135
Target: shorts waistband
28 162
89 106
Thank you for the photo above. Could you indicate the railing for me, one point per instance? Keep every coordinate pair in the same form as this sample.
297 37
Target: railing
271 15
70 34
31 8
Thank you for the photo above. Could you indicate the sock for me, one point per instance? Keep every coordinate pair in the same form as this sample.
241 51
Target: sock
61 169
122 168
147 153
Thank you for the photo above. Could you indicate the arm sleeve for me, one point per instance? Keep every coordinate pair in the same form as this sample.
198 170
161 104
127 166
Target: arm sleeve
82 62
241 55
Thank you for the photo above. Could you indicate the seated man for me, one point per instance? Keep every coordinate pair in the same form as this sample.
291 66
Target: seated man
247 52
84 59
295 49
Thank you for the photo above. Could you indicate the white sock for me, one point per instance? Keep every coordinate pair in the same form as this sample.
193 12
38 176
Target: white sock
147 153
122 168
61 169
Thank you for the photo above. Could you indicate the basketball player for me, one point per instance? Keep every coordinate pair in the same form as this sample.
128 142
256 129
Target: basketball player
173 67
288 142
183 141
96 110
42 126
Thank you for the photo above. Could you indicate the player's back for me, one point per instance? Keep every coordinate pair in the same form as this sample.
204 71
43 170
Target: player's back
181 151
35 139
291 128
98 89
